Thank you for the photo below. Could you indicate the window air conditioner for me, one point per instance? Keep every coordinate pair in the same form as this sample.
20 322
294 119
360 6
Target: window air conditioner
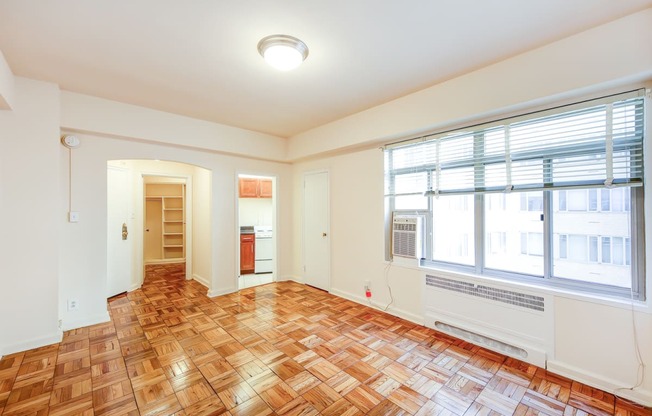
407 236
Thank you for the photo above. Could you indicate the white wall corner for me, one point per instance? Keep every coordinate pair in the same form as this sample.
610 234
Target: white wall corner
32 343
202 281
134 286
6 85
638 395
86 320
290 277
400 313
215 293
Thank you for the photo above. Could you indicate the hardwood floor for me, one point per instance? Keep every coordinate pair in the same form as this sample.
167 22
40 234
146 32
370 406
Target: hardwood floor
279 349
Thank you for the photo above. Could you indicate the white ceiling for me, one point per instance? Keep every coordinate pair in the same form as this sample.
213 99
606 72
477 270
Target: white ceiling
199 58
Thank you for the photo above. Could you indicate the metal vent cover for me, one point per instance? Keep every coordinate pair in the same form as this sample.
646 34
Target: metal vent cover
522 300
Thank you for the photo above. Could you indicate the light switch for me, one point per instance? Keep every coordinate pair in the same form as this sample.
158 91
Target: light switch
73 216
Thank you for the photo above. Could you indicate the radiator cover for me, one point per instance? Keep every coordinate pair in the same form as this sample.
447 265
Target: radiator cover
514 322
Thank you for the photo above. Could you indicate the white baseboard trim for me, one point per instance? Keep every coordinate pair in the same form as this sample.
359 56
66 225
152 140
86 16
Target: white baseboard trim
408 316
164 261
201 280
32 343
85 321
135 286
639 395
214 293
290 277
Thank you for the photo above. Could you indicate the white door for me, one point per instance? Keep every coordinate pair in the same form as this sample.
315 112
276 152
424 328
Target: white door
118 250
316 232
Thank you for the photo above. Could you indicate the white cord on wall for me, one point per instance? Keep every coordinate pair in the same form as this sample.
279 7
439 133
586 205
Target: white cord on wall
391 296
640 372
69 179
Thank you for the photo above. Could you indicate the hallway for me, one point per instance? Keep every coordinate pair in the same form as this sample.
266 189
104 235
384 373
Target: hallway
282 348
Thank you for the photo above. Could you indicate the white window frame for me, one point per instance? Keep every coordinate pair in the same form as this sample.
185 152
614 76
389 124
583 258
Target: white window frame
636 241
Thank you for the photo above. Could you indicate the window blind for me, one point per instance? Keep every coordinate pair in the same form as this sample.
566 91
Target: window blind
598 143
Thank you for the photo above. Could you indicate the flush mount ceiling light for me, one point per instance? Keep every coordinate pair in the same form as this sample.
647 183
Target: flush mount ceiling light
283 52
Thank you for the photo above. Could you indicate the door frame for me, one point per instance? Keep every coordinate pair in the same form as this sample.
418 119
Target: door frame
140 238
328 223
275 222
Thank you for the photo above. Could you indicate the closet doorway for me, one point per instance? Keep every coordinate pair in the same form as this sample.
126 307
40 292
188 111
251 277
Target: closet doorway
164 238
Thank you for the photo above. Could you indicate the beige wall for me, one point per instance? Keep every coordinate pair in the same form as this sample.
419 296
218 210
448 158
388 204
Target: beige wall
30 207
104 117
202 224
6 85
611 55
255 211
357 233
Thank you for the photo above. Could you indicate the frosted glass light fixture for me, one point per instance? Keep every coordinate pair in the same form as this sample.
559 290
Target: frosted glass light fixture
283 52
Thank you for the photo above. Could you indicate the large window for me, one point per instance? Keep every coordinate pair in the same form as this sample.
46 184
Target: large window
554 196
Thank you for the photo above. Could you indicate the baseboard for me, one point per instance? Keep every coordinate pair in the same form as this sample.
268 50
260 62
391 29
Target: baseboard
400 313
33 343
134 287
85 321
595 380
215 293
290 277
164 261
201 280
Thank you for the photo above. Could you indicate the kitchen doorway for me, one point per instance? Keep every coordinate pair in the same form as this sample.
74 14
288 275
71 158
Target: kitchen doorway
257 259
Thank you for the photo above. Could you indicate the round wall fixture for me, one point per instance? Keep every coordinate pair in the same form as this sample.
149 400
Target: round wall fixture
70 141
283 52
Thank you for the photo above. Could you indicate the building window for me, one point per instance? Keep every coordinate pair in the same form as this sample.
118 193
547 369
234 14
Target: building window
554 196
593 199
593 249
605 200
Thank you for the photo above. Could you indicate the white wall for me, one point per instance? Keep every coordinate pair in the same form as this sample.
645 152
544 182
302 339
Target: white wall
6 85
255 211
610 55
357 233
29 206
85 113
202 224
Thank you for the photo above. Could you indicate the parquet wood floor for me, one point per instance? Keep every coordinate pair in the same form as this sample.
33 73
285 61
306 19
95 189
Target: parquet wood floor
279 349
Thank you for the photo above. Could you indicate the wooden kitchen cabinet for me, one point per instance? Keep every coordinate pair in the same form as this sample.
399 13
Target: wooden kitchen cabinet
265 188
249 188
247 253
255 188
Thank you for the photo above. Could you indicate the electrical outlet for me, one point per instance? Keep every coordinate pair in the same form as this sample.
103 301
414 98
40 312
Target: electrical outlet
73 216
73 305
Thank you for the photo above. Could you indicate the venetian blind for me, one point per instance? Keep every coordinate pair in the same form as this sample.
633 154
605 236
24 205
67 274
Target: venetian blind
591 144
